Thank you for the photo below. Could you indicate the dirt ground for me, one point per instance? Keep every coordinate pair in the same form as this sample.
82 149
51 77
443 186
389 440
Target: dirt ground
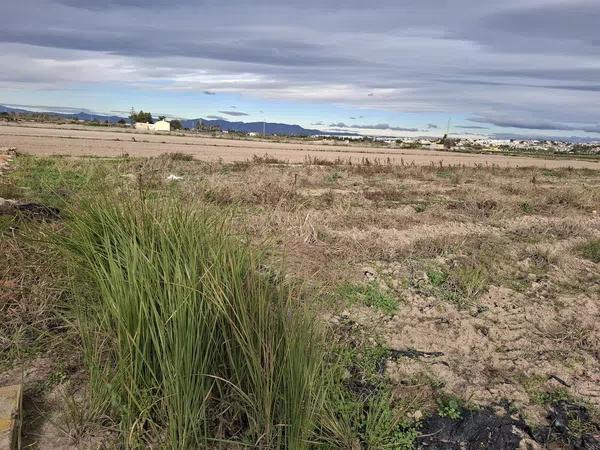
478 283
81 141
494 300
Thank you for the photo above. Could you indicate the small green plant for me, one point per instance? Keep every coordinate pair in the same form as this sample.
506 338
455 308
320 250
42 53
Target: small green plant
553 396
362 410
469 281
372 360
460 284
591 250
372 295
527 207
333 177
384 425
420 207
437 277
450 406
375 421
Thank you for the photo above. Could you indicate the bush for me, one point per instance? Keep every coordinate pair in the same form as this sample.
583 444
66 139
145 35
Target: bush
188 341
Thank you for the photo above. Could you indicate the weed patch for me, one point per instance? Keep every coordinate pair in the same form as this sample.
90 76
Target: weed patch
48 180
177 156
458 283
363 411
450 406
591 250
372 295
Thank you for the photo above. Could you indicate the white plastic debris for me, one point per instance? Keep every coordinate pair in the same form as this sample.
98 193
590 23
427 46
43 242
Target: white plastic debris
174 178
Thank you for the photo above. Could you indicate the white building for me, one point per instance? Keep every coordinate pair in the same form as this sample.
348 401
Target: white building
143 126
161 125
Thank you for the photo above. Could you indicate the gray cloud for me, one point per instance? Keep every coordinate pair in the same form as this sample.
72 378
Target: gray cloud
317 123
431 125
234 113
522 123
534 59
209 93
529 124
471 127
592 128
58 109
378 126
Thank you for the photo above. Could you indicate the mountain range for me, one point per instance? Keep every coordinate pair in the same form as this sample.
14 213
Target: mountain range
282 129
246 127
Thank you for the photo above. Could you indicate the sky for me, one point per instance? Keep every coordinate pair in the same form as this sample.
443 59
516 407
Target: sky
390 67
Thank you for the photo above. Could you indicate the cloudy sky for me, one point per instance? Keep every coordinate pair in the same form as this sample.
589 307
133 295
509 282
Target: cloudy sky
385 66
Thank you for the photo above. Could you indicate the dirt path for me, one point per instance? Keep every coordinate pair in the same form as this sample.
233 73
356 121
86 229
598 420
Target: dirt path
55 140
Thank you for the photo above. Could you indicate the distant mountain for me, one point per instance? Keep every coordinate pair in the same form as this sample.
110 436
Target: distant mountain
15 110
71 116
255 127
282 129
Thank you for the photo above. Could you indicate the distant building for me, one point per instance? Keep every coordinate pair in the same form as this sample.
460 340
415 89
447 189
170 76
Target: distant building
161 125
143 126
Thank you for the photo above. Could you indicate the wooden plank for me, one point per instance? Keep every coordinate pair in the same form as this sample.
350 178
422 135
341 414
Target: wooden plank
10 416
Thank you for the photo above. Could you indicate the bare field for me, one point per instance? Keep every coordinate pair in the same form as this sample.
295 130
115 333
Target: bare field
81 141
450 287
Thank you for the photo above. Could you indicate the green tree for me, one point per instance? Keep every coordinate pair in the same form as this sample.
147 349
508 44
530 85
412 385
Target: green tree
142 117
176 125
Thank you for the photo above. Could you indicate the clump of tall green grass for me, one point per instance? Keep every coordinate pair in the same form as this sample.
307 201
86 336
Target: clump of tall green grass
189 343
